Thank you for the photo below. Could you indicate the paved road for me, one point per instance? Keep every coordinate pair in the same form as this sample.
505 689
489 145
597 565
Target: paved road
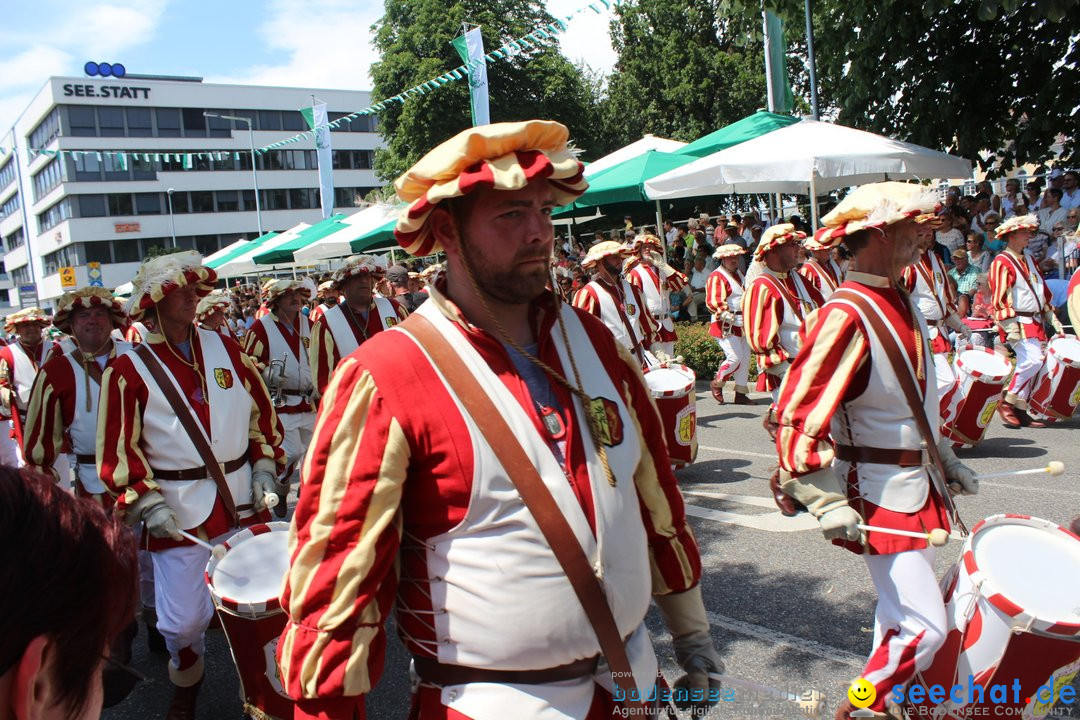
787 610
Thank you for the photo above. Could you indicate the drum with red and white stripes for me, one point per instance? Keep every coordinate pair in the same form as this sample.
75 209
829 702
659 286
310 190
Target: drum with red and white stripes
969 405
245 584
1013 619
672 388
1056 389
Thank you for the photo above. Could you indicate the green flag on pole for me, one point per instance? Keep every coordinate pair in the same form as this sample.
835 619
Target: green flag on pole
776 76
317 119
470 47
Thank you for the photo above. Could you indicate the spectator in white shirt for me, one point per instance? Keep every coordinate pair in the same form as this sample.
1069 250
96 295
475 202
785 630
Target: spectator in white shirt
1070 192
948 235
1032 197
977 254
698 278
1011 199
1051 213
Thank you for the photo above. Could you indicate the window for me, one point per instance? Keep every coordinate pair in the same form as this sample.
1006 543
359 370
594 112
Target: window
154 245
202 202
148 203
114 170
187 242
219 127
194 122
168 122
292 121
82 121
47 130
269 120
7 174
301 198
345 197
249 199
48 178
87 167
180 203
228 201
98 252
92 206
21 276
271 160
55 215
15 240
141 168
120 205
138 122
111 121
126 250
275 200
10 207
207 244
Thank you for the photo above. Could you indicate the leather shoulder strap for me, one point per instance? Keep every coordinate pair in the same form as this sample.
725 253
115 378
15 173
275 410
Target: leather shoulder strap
911 393
195 433
1024 272
535 495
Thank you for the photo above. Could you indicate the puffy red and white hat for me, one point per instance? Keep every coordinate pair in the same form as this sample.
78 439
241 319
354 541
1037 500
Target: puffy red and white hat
87 297
645 240
216 300
601 250
879 204
775 236
160 276
1017 222
729 250
275 288
359 265
503 156
26 315
825 238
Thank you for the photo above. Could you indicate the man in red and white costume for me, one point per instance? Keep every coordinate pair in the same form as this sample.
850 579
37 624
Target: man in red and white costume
840 394
1024 314
649 272
149 462
358 316
212 311
928 284
820 269
409 501
723 297
285 336
64 399
775 304
618 304
19 365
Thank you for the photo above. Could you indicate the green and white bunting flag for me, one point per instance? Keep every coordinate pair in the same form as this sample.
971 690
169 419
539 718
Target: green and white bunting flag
317 120
470 47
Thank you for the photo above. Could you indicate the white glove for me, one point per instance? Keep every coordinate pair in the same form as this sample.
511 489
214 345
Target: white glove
1011 326
726 316
1051 319
964 331
960 478
657 260
823 495
156 515
263 483
684 616
661 356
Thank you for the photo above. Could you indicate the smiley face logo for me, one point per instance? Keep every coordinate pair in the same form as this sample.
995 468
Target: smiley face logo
861 693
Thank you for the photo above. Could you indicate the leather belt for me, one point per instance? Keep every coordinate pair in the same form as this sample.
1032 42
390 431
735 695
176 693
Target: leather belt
86 459
1028 314
198 473
883 456
437 673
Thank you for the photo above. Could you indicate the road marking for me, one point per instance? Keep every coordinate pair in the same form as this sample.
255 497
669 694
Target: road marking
769 522
744 499
776 637
766 456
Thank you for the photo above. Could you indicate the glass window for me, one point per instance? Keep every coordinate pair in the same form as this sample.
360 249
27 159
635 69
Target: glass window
54 215
206 244
168 122
365 159
292 121
126 250
228 200
114 170
138 122
249 199
187 242
275 200
111 121
120 204
154 245
271 160
92 206
47 130
148 203
7 174
180 204
219 127
224 161
10 206
82 121
141 169
250 115
200 162
87 167
202 202
14 240
194 122
269 120
47 178
98 252
301 198
169 163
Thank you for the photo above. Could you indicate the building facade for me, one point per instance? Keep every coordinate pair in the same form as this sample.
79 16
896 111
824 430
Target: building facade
66 211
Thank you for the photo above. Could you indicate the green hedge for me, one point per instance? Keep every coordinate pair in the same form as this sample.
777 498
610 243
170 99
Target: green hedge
700 351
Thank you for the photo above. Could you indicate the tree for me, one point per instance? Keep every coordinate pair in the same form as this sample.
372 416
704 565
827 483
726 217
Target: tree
413 38
685 68
996 81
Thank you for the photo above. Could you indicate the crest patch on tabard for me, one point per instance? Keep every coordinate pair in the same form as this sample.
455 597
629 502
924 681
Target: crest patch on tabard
391 321
306 341
631 309
224 378
605 418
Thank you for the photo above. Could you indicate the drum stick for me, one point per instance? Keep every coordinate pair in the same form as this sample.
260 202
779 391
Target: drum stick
271 501
1053 467
936 537
217 551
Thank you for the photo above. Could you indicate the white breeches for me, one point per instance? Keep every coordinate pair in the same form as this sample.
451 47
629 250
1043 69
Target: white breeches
298 429
736 364
946 376
182 600
1029 360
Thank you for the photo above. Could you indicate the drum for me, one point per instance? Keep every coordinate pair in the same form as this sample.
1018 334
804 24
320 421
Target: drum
1013 622
968 407
672 387
245 585
1056 389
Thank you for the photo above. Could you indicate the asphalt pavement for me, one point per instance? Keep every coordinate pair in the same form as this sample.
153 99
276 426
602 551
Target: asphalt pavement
789 612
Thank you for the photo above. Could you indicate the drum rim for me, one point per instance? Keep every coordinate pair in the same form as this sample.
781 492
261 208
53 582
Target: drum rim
987 589
1050 350
672 393
978 374
235 606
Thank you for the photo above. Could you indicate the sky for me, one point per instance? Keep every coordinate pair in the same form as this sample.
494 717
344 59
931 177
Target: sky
310 43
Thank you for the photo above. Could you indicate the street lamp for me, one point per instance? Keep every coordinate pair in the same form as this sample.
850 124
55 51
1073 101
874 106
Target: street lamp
254 177
172 220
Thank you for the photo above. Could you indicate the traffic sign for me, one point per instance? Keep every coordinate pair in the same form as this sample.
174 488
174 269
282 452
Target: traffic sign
67 277
27 295
93 272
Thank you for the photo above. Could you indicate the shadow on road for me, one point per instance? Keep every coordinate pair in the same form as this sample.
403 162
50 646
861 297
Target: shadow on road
1011 447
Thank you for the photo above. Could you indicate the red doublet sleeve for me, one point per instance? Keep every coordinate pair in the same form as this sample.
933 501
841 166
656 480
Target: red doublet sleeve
257 344
908 277
676 281
834 351
322 354
650 328
585 299
120 461
1001 278
50 411
763 309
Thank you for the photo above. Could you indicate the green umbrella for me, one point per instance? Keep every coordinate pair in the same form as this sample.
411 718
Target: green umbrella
283 254
623 183
380 238
237 252
737 132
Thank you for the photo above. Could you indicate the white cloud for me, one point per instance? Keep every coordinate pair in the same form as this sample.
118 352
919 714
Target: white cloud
587 38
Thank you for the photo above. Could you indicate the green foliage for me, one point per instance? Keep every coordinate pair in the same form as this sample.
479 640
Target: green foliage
413 38
699 349
158 250
685 69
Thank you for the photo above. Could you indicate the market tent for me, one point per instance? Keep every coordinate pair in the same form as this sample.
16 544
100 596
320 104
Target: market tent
227 250
243 264
638 147
339 244
220 258
806 158
740 131
378 238
623 183
284 253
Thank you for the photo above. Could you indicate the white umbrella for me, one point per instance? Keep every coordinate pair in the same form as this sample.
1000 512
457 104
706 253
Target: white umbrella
244 265
339 244
807 158
638 147
225 250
